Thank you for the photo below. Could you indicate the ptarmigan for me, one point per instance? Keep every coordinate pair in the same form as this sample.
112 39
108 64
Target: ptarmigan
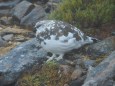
59 37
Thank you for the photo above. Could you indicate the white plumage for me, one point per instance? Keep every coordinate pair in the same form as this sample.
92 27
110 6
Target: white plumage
59 37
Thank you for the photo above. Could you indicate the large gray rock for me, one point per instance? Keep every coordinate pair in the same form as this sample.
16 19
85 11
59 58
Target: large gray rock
77 82
41 1
102 47
5 12
113 33
21 9
55 1
34 16
2 42
87 63
21 58
8 4
51 5
5 7
103 74
8 37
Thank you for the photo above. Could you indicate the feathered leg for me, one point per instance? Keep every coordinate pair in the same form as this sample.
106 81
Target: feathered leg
51 58
59 57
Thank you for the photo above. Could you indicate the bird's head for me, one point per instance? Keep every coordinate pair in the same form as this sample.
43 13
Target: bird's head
95 40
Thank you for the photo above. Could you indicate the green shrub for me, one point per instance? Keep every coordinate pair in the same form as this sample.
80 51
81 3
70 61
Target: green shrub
85 13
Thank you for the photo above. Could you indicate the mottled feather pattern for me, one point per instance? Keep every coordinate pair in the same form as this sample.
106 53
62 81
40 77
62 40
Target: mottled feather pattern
58 29
59 37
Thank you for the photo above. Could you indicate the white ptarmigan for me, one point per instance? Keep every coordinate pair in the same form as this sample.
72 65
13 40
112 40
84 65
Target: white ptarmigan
59 37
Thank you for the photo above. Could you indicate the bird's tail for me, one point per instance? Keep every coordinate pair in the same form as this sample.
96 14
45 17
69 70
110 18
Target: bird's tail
91 40
95 40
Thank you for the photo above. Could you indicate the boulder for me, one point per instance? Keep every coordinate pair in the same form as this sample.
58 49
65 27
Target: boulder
51 5
77 82
5 12
5 7
66 69
18 60
41 1
103 74
88 63
1 28
113 33
8 4
8 37
77 73
55 1
34 16
66 85
20 39
102 47
2 42
21 9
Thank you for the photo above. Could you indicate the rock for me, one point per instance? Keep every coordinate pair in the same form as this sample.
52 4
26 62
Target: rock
20 39
43 1
56 1
30 34
79 61
51 5
1 28
114 83
103 74
2 42
5 12
38 1
8 4
77 82
113 33
18 60
88 63
5 20
66 69
8 37
34 16
76 73
21 9
66 85
102 47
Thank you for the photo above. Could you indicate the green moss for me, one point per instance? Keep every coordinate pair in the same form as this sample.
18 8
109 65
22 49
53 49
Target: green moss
101 58
85 13
48 75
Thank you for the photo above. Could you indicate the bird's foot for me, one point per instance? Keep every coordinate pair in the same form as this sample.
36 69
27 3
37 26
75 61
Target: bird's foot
51 58
48 57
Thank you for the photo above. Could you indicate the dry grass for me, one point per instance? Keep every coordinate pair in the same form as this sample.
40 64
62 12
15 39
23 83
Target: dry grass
49 75
18 33
7 48
15 29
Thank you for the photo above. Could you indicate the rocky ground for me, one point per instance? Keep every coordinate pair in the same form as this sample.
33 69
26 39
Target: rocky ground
22 61
11 36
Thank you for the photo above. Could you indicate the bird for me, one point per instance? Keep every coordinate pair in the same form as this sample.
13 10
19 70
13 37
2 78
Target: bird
59 37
